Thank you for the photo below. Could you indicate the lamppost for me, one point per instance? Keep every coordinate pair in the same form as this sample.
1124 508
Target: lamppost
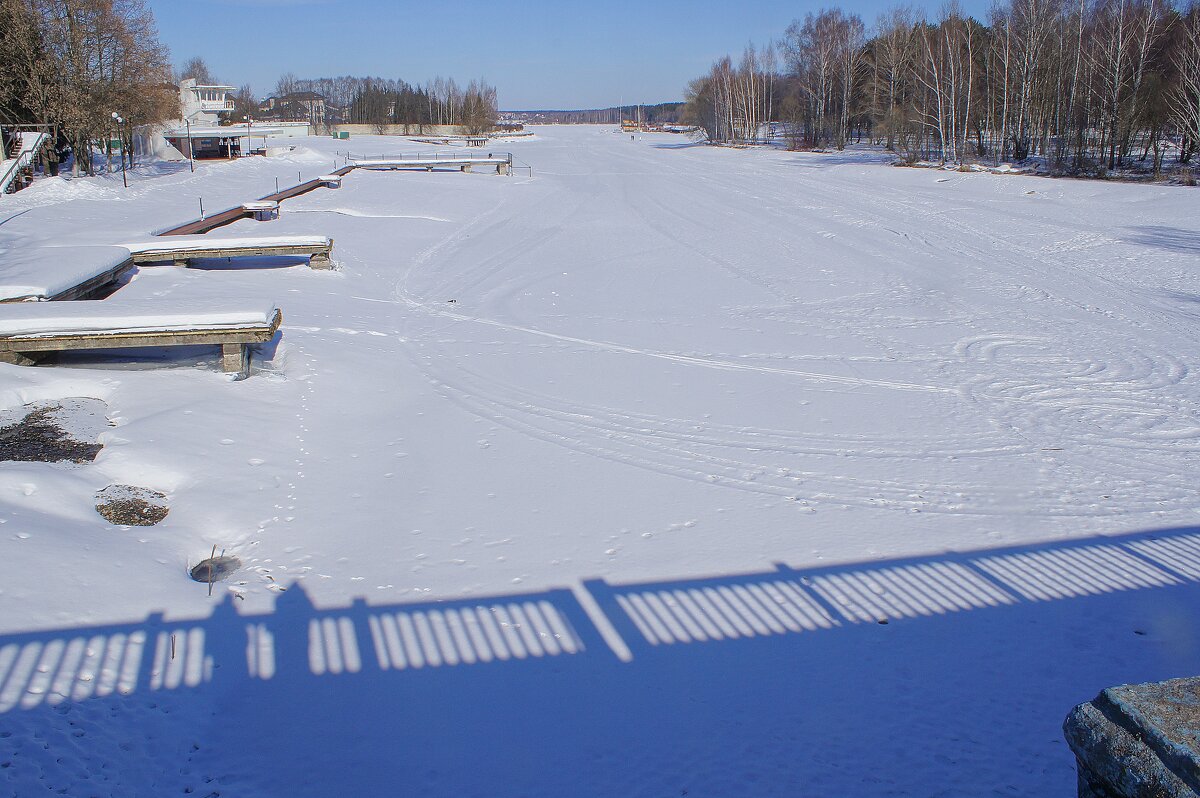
120 134
191 157
249 122
108 148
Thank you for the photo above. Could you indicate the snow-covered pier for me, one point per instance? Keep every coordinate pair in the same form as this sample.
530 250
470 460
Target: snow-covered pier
67 272
181 250
246 210
31 330
502 162
466 163
210 221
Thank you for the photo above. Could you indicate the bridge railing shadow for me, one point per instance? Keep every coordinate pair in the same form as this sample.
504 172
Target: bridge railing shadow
414 636
788 601
298 641
95 662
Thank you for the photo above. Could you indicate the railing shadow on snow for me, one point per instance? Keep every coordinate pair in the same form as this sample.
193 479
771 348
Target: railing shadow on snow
299 641
789 601
296 640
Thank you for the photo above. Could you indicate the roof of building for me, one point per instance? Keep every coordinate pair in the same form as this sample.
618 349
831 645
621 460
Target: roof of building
228 131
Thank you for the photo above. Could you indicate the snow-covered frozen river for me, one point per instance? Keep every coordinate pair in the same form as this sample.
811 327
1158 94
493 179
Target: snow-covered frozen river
652 362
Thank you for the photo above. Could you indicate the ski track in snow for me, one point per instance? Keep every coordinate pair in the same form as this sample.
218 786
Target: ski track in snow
1100 401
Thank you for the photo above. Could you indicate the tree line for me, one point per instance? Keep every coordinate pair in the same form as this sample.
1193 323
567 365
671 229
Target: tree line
1086 85
71 64
658 114
388 101
373 101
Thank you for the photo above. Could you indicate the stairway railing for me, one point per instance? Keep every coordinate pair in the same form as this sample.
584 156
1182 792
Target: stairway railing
24 158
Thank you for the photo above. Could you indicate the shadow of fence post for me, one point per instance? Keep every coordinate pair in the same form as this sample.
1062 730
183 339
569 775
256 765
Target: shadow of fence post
368 656
606 598
802 584
153 626
579 624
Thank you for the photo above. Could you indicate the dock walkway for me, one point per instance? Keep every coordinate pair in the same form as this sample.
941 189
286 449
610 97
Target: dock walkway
181 250
67 272
463 161
29 331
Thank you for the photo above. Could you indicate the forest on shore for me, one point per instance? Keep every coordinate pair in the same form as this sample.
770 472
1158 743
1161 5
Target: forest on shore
1087 86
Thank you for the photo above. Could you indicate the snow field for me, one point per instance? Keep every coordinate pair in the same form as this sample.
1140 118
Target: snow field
658 364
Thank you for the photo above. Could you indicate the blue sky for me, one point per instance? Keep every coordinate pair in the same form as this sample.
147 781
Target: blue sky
539 53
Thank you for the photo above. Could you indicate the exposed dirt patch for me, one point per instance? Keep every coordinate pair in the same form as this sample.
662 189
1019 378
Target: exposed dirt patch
53 432
129 505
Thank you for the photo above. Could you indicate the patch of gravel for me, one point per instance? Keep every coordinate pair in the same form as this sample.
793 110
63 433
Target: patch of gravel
129 505
52 432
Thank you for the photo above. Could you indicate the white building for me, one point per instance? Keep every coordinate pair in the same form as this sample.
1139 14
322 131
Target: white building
227 141
204 104
205 129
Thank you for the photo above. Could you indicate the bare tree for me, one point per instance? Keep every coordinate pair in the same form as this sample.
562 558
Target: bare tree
732 103
891 59
811 48
28 80
107 59
288 83
1184 97
196 68
825 52
244 102
849 59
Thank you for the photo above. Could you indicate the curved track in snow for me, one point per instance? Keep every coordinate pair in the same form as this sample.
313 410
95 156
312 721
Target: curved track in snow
1026 353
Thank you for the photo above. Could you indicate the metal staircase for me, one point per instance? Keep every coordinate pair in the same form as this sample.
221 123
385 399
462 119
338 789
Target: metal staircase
16 169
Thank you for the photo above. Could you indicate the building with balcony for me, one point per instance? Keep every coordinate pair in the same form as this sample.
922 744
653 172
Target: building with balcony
204 104
300 106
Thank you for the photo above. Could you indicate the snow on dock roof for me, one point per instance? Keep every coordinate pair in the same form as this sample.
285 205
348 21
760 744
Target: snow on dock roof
388 163
114 316
46 272
207 242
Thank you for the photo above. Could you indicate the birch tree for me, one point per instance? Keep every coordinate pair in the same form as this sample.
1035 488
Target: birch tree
1185 95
